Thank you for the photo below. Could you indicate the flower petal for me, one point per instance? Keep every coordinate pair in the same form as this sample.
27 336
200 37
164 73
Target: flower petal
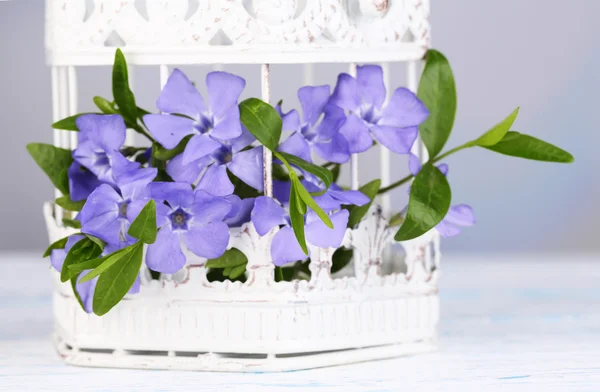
208 240
296 145
335 150
165 254
168 130
356 198
198 147
290 120
332 122
177 194
57 256
267 213
346 93
180 96
285 248
240 211
398 140
460 215
104 130
404 110
82 182
414 164
187 173
370 85
443 168
281 191
224 90
313 100
86 291
132 184
248 167
100 215
322 236
447 229
228 127
216 181
357 134
242 141
209 208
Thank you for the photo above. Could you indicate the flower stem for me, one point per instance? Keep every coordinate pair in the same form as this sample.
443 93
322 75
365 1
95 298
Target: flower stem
410 176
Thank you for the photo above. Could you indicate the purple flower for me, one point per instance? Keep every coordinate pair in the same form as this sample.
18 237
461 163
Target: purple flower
86 290
100 140
267 214
240 211
219 121
323 136
108 212
246 164
194 217
460 215
82 182
393 124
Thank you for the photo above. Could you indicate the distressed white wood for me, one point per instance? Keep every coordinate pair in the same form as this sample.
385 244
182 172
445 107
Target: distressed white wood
163 74
265 88
72 80
384 153
354 168
513 322
412 83
277 31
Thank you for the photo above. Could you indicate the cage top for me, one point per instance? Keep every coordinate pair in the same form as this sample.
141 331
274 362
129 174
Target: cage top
236 31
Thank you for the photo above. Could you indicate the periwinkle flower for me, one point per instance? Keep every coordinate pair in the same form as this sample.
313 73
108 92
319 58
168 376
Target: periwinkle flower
267 214
108 212
184 112
246 164
86 290
393 124
459 215
101 138
82 182
318 129
194 217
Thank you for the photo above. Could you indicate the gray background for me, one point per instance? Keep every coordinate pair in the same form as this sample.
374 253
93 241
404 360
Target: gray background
541 55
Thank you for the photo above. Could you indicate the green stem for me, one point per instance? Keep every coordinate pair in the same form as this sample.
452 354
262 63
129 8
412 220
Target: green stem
410 176
328 165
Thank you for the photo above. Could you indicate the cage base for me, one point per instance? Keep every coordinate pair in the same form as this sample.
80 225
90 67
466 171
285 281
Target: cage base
231 362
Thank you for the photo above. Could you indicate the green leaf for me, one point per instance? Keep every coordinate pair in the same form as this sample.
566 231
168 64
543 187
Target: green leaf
54 161
105 105
337 168
120 85
497 132
236 272
524 146
323 173
397 219
106 262
310 202
67 204
164 154
72 223
88 265
74 287
430 197
278 274
357 213
60 244
297 218
437 90
231 258
263 121
96 241
83 250
68 123
115 282
144 226
341 258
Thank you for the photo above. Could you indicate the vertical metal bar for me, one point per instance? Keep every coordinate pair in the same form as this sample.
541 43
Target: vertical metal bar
267 156
354 157
412 83
72 77
56 132
164 75
384 153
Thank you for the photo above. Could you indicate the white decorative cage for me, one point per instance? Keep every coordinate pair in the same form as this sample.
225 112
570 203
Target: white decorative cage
187 322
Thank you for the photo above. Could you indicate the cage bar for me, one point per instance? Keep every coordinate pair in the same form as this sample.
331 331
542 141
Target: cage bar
265 88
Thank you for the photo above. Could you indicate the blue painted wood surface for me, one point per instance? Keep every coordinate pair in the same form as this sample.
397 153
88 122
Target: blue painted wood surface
508 323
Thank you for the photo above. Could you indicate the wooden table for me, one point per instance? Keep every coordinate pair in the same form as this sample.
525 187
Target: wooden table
508 322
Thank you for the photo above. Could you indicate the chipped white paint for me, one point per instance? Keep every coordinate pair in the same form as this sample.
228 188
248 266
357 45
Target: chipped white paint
281 325
228 31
